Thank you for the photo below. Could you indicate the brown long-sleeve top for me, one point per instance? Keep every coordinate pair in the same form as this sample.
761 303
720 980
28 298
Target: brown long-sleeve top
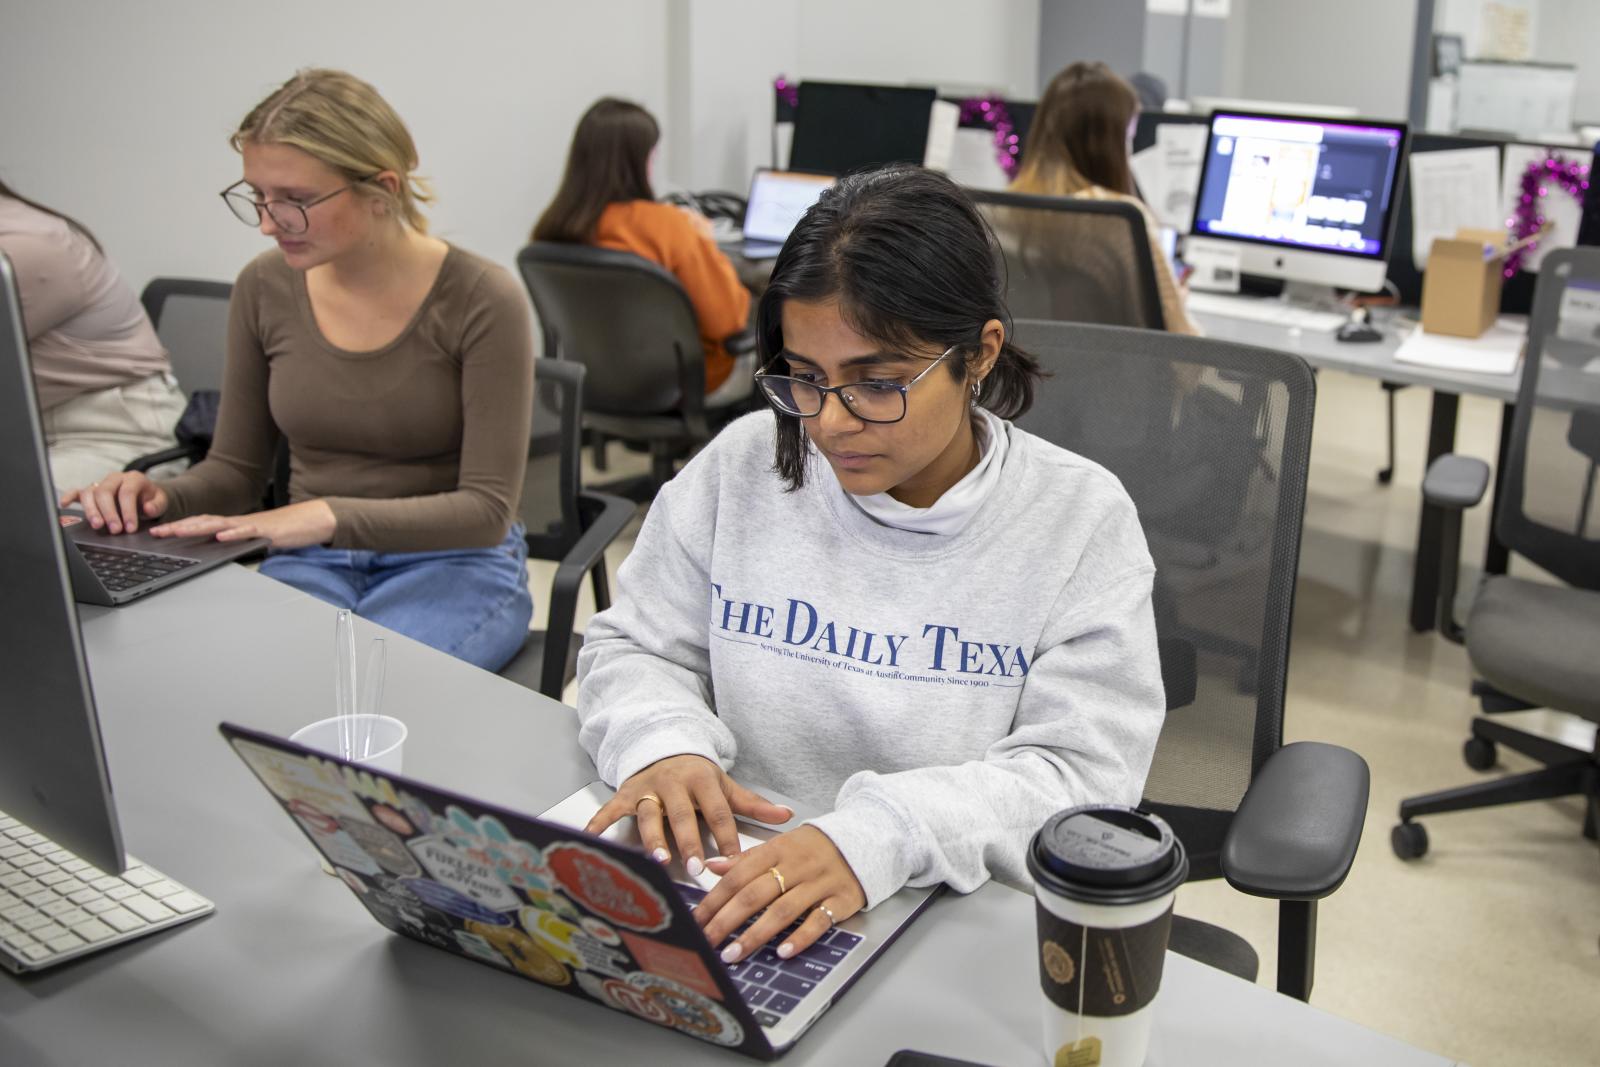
670 236
416 446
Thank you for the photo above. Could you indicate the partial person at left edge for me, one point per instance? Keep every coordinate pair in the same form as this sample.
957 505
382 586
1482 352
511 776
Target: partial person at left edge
397 368
104 381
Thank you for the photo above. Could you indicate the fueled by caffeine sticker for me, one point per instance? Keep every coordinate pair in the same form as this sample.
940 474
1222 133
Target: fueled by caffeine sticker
1101 972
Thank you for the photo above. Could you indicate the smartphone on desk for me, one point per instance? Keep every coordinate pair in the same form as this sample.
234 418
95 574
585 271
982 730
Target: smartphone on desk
909 1058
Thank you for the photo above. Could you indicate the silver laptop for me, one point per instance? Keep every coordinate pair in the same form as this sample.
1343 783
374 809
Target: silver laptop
590 916
66 886
106 569
777 200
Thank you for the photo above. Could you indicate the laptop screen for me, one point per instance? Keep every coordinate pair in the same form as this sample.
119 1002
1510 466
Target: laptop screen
777 200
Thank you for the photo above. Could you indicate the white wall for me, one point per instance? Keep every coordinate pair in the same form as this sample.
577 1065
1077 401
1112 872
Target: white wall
120 113
1350 53
1569 32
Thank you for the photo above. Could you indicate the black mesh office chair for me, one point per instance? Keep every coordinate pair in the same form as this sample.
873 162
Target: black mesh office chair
1212 441
630 322
191 318
1069 259
565 524
1532 644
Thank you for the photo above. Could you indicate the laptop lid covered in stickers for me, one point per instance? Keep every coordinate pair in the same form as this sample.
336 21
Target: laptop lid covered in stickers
569 910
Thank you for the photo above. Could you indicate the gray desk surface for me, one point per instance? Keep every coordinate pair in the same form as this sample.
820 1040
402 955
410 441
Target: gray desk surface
291 969
1372 360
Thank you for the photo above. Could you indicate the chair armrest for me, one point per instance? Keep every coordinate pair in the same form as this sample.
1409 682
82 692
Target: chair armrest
737 344
1455 481
604 518
191 452
1297 828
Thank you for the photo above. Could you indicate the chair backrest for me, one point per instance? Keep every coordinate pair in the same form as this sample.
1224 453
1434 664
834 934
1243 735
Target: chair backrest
626 319
1071 259
549 506
1211 440
191 318
1549 509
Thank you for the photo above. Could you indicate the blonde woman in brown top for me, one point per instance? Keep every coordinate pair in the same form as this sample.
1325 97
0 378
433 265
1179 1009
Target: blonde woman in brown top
397 367
1078 146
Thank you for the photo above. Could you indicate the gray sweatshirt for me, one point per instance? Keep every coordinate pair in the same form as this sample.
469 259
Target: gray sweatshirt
942 695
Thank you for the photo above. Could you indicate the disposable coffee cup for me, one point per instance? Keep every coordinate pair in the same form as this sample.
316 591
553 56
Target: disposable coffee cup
1104 878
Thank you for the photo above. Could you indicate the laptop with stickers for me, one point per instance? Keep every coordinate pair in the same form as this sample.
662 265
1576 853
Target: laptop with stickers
589 916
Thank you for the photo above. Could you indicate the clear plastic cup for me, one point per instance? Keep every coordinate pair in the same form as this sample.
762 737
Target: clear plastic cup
373 741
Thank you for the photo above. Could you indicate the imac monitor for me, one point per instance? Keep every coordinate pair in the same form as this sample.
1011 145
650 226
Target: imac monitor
839 128
1307 200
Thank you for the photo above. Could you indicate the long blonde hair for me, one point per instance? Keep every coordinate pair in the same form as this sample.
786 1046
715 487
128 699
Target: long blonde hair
340 120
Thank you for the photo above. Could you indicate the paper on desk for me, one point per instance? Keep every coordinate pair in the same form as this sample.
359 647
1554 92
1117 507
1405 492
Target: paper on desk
943 121
1451 191
1498 351
1558 206
1168 172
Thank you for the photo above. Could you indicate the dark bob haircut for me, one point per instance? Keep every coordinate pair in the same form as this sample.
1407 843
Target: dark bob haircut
909 260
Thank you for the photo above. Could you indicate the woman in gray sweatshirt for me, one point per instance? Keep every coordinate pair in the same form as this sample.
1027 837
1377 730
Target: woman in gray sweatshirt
880 597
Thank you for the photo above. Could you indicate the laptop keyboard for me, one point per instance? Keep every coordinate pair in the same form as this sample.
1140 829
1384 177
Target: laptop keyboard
55 906
773 987
119 568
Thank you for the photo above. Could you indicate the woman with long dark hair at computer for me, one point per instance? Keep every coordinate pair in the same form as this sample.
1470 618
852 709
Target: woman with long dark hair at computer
398 368
104 381
605 199
880 597
1078 145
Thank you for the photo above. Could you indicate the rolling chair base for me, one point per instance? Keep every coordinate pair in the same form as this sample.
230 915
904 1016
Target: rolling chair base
1570 772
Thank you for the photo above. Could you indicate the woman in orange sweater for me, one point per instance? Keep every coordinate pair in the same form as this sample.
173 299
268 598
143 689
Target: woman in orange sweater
605 200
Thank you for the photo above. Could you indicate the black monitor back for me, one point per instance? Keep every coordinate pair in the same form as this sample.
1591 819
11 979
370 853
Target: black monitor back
52 770
839 128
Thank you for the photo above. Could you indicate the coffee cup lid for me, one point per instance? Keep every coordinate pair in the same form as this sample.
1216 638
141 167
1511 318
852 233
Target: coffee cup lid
1110 851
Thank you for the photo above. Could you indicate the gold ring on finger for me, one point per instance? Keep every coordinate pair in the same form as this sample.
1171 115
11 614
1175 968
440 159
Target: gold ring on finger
832 922
649 796
782 886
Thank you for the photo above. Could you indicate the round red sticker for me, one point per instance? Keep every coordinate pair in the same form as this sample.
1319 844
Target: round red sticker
607 888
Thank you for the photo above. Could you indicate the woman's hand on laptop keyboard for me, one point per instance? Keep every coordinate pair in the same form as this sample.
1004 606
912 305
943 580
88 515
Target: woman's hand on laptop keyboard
116 502
310 522
681 790
797 879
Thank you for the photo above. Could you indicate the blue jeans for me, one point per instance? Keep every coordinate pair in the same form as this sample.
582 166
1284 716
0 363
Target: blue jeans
471 603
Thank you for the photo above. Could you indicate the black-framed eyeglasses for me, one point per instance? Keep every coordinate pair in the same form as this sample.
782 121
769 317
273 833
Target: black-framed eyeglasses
287 215
869 401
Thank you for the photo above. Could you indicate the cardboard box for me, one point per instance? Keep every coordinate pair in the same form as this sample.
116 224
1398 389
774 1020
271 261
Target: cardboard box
1461 287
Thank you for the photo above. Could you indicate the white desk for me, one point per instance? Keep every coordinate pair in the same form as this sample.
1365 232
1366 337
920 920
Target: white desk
291 969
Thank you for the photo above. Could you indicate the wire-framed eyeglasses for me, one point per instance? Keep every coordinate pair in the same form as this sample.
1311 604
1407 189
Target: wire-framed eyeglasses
288 215
869 401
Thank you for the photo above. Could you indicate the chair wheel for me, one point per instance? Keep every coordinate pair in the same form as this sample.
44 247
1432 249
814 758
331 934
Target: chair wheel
1409 840
1478 753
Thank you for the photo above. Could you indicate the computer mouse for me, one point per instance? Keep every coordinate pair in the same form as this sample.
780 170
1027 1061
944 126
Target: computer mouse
1358 330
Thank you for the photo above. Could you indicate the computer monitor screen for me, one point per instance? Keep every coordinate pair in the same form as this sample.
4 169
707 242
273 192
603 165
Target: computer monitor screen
1304 199
839 128
777 200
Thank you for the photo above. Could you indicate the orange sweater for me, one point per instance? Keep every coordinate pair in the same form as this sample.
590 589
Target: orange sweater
672 237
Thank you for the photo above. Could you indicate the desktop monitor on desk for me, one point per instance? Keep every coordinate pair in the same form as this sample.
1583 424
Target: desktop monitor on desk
1306 200
839 128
